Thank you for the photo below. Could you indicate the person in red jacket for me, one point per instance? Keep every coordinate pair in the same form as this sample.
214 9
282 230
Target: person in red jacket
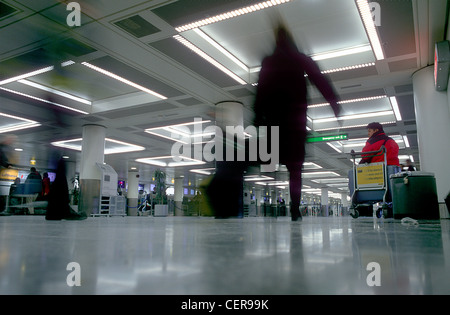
377 138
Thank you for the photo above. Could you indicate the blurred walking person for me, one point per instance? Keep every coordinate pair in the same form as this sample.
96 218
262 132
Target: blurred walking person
281 101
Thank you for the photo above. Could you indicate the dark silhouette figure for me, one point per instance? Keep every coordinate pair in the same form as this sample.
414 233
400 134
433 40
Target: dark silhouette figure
281 101
58 199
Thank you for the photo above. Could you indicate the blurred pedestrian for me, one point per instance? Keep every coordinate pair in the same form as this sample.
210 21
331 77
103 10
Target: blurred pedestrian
281 101
4 148
58 207
33 188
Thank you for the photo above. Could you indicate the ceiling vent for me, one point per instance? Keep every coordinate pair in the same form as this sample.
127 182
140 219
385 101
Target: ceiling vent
137 26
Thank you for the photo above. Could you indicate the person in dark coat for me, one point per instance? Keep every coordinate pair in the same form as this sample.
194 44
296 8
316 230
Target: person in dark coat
281 101
58 207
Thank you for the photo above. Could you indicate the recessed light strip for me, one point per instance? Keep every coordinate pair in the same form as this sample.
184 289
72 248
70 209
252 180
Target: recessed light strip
357 116
221 49
395 108
341 52
123 80
208 58
57 92
45 101
366 16
353 126
231 14
27 75
362 99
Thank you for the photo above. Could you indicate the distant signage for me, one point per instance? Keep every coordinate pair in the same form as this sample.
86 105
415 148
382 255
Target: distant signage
9 174
327 138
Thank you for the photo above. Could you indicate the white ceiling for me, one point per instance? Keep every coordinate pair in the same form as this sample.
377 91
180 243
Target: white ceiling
35 35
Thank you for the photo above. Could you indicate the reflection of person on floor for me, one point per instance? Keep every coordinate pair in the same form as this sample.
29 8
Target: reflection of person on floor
58 199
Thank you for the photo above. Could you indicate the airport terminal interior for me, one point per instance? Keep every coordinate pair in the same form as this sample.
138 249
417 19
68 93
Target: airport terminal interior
129 96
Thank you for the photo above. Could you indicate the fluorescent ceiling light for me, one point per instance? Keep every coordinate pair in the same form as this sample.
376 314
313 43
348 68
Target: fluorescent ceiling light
26 75
75 144
356 116
354 126
354 100
363 65
230 14
341 52
203 171
395 108
336 149
168 131
45 101
57 92
26 123
221 49
160 161
330 180
253 178
123 80
318 174
311 165
274 183
406 141
366 16
208 58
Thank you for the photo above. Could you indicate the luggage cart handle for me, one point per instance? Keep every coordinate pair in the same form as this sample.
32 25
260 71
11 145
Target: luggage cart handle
369 153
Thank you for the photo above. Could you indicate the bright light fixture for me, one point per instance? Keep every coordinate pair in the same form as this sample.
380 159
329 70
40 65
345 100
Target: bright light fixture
394 104
334 148
253 178
221 49
123 80
159 161
57 92
27 75
45 101
319 174
208 58
27 123
203 171
406 141
354 126
366 16
167 131
354 100
231 14
357 116
341 52
76 144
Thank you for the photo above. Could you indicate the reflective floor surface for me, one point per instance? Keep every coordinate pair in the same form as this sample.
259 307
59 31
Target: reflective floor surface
199 255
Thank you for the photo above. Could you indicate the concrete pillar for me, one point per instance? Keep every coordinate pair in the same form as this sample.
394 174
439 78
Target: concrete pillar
178 196
324 201
433 130
132 193
258 197
92 152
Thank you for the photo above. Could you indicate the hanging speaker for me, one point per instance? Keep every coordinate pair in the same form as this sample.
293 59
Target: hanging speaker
441 65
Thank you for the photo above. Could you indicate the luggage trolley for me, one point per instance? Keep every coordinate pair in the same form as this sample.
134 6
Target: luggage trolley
369 184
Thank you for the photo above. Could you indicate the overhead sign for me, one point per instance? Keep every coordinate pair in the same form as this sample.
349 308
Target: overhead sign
327 138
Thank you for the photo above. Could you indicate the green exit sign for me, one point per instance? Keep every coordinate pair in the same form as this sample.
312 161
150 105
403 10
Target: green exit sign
327 138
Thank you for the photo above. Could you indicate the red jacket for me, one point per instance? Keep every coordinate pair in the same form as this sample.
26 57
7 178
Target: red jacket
375 142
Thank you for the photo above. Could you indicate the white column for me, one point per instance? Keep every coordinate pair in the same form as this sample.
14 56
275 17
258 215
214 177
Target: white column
92 152
324 201
433 129
178 195
132 193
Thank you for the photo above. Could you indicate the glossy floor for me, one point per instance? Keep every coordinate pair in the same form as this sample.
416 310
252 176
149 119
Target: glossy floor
198 255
